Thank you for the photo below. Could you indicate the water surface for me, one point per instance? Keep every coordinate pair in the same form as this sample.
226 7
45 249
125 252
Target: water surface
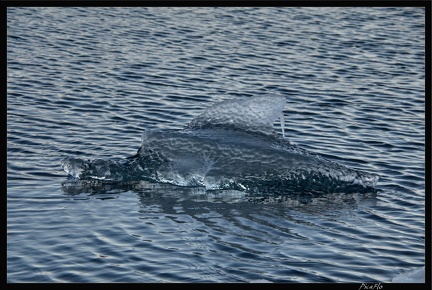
85 83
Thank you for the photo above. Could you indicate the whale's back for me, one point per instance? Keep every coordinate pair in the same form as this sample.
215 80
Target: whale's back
254 114
231 145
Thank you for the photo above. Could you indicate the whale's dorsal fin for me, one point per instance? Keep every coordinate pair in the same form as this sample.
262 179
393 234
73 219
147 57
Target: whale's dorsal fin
252 114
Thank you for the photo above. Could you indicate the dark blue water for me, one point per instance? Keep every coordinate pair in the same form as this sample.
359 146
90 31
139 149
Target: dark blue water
85 83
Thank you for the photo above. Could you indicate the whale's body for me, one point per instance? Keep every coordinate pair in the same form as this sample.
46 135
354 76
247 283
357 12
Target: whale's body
231 145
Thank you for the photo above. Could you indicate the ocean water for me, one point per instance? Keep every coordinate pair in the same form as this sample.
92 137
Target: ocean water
86 82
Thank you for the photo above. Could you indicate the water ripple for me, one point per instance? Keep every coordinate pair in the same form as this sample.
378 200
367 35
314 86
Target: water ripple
85 83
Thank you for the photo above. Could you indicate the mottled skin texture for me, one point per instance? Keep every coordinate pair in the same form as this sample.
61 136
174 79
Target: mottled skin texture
230 145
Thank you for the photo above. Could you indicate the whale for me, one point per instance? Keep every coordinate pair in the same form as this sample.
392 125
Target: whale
230 145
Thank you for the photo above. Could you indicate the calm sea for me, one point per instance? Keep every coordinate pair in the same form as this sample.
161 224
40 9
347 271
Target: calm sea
86 82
